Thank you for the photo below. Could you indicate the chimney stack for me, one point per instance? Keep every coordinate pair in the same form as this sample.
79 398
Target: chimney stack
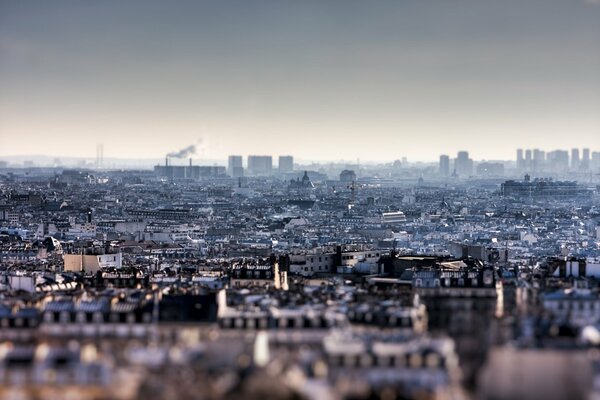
166 161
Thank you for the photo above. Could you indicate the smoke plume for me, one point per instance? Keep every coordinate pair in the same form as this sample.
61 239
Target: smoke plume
186 151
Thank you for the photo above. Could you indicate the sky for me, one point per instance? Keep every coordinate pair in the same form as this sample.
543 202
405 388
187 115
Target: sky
321 80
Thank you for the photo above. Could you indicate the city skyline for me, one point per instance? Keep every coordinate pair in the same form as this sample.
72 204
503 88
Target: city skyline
519 157
313 79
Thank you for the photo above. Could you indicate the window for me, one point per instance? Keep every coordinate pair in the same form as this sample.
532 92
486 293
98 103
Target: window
81 317
98 317
65 317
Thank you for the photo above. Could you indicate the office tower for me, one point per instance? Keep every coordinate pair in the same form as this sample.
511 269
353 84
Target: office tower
539 158
528 160
444 165
520 160
595 164
585 159
463 164
235 167
575 161
260 165
286 164
558 160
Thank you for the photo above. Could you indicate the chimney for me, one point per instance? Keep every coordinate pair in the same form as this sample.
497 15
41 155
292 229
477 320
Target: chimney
166 161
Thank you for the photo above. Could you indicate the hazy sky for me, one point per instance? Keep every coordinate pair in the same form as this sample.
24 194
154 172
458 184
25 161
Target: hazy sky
317 79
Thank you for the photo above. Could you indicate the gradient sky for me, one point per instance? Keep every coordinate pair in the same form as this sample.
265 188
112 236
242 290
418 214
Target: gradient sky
317 79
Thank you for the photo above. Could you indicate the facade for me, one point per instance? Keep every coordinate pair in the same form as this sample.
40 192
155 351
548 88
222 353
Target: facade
91 263
463 165
444 166
520 160
286 164
347 176
575 160
260 165
235 166
490 169
542 188
558 160
194 172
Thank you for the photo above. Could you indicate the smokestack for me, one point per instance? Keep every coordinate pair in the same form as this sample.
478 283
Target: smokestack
166 161
190 162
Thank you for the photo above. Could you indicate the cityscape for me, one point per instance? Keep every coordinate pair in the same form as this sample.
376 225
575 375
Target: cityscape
311 200
335 281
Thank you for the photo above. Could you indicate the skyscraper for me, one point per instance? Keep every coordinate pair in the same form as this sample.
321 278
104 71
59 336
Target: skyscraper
558 160
585 159
595 163
539 159
444 165
235 166
463 165
260 165
286 164
528 160
575 161
520 160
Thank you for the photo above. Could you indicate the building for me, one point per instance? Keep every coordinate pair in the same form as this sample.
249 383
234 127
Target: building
193 172
528 159
444 165
91 263
539 159
575 160
304 183
490 169
286 164
558 160
394 217
520 160
595 162
347 176
542 187
463 165
585 159
258 276
235 166
260 165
